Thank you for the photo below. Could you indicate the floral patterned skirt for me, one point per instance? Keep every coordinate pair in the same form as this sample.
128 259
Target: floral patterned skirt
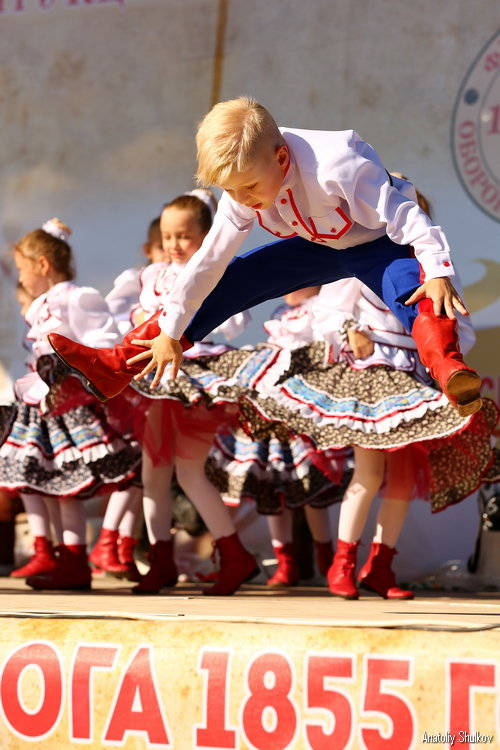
74 453
334 406
275 473
180 417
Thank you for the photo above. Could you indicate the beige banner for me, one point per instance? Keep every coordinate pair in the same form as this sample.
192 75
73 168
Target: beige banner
190 684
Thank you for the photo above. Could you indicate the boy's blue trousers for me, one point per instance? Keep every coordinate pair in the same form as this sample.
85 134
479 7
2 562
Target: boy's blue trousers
270 271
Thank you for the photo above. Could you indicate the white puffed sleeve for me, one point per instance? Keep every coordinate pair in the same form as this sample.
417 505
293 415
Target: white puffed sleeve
336 305
89 318
123 297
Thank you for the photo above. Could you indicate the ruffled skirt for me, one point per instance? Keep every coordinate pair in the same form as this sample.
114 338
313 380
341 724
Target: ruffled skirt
333 406
180 417
76 452
276 473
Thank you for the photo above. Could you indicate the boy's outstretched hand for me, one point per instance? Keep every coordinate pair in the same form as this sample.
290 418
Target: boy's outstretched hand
445 297
160 351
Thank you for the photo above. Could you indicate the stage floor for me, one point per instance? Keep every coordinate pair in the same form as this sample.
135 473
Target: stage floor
260 670
257 603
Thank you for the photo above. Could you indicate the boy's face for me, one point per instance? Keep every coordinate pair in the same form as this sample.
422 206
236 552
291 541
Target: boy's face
259 184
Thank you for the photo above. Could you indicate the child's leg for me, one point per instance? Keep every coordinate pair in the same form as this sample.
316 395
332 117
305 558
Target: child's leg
156 499
129 523
72 570
281 531
376 574
37 514
104 555
54 510
157 504
205 497
236 563
43 560
74 522
318 520
365 482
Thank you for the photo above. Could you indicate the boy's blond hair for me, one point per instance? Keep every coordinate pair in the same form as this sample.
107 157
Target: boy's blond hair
230 136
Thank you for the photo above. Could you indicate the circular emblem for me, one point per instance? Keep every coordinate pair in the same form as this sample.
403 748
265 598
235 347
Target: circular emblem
476 130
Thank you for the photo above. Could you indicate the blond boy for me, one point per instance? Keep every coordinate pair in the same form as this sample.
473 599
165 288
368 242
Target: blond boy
317 192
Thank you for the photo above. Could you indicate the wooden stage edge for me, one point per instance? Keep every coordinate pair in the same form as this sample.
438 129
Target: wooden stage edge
306 605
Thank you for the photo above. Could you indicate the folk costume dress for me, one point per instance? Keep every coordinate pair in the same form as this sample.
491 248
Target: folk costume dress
277 473
386 402
57 439
201 396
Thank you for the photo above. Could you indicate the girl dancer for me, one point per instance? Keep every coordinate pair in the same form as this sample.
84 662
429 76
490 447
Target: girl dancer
61 446
179 427
365 387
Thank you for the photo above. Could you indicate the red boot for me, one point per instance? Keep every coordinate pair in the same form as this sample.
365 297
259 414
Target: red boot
126 545
340 577
163 571
104 555
105 371
287 572
237 565
43 561
72 571
376 574
438 347
324 556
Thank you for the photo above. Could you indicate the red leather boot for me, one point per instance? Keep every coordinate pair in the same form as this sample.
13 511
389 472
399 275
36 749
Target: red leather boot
438 347
72 571
105 371
341 575
376 574
237 565
104 555
324 556
43 561
163 571
126 545
287 572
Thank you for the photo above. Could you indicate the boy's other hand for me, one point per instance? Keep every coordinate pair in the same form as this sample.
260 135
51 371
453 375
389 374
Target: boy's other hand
445 297
160 351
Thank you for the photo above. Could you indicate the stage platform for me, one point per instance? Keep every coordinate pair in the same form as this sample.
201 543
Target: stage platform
262 669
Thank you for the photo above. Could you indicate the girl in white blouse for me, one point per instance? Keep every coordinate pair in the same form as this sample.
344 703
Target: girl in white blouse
59 444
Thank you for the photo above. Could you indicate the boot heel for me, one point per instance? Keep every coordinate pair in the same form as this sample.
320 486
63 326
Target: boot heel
464 387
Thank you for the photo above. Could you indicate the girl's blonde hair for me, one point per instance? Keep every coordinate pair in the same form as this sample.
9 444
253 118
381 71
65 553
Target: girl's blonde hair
231 136
57 250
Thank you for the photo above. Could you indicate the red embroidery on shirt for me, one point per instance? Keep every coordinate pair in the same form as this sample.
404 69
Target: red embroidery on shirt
276 234
315 235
